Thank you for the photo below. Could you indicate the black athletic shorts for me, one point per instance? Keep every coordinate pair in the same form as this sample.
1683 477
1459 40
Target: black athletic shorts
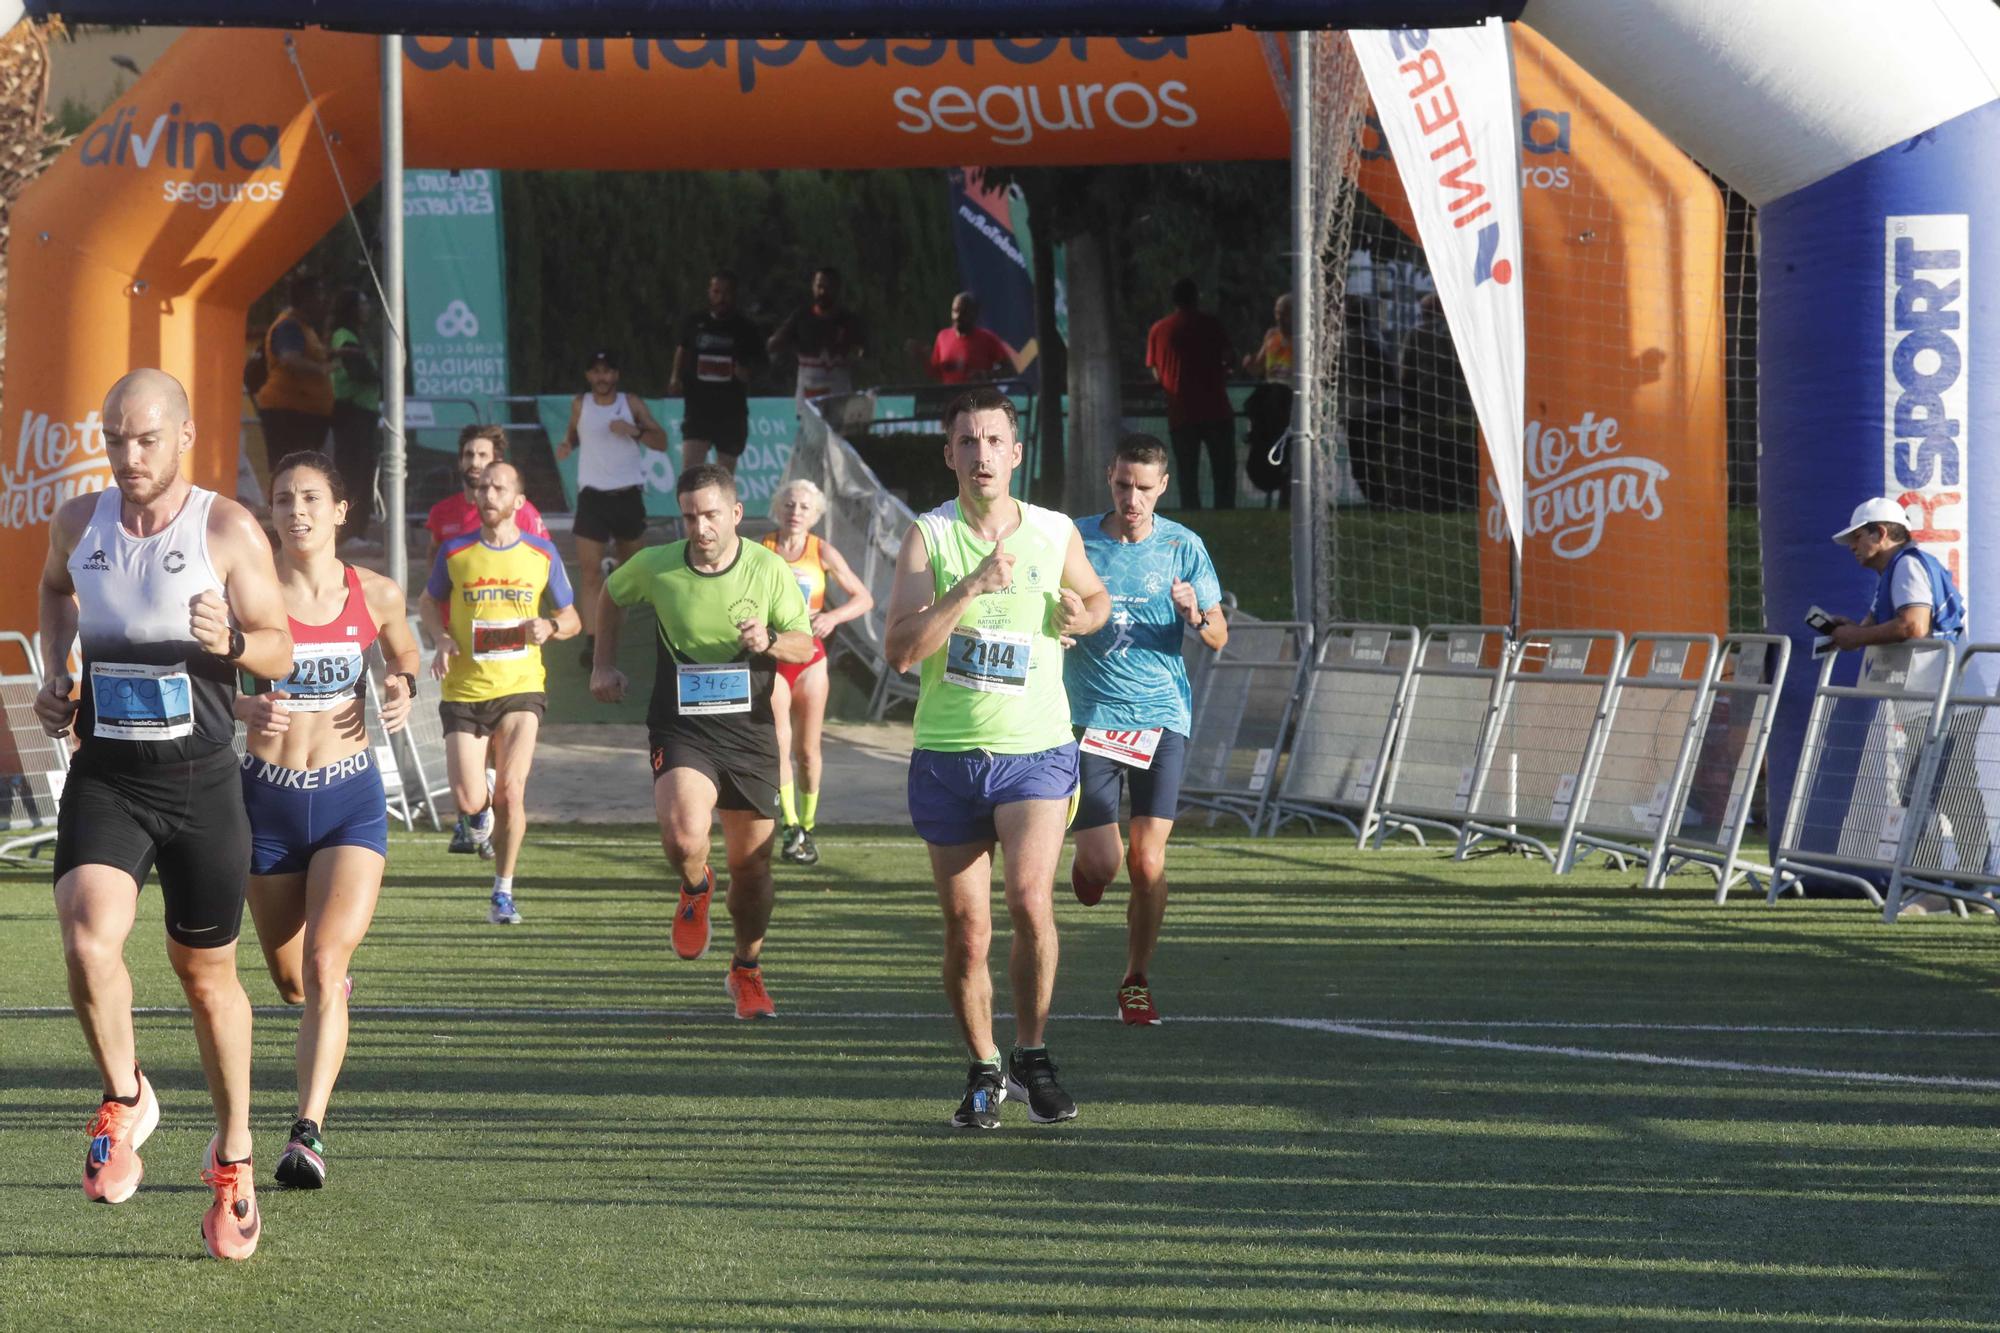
1156 791
603 516
729 434
186 819
744 780
481 716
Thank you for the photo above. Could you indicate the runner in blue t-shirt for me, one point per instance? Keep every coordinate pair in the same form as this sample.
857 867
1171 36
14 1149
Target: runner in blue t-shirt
1129 699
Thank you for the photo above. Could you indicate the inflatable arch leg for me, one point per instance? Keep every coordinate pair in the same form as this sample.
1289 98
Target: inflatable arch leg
1865 135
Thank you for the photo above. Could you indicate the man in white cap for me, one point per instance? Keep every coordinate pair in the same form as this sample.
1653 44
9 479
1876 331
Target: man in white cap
1915 595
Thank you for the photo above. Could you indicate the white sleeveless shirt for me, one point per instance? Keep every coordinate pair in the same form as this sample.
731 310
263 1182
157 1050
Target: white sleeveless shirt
150 692
606 461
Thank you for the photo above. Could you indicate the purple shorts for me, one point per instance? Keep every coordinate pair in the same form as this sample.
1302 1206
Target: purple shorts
953 794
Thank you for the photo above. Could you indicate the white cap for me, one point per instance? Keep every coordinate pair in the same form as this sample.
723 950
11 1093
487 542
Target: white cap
1879 510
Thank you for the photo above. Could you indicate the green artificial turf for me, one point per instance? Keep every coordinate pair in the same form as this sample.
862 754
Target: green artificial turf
560 1124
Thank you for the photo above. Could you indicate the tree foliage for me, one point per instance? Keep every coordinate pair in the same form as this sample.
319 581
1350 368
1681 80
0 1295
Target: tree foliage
620 259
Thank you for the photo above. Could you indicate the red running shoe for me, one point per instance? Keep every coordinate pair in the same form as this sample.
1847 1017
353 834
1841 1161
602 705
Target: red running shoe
1086 893
746 986
691 920
1135 1003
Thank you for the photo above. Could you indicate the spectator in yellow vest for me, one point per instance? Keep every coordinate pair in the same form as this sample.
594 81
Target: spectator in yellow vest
296 402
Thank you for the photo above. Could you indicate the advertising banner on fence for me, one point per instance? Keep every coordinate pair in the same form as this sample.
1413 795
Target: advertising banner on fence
1445 101
456 286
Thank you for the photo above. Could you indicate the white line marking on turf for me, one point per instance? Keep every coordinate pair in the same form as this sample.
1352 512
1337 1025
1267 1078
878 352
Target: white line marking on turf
1565 1025
1634 1057
1373 1030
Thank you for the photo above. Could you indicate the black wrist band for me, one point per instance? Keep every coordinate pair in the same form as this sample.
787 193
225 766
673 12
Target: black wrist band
236 644
409 678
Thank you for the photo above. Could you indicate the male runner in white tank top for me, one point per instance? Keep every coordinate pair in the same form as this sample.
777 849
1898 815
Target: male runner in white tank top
609 427
172 591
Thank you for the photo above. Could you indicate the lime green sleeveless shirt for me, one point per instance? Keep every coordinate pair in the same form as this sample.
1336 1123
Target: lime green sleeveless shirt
997 684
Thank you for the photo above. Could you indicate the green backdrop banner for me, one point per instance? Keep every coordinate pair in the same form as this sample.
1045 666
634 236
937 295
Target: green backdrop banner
455 289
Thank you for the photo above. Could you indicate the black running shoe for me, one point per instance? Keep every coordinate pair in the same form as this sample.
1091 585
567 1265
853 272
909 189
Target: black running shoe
807 853
303 1166
462 841
984 1091
1031 1077
789 844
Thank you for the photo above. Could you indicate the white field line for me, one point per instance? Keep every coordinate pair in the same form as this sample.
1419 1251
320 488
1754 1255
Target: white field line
1365 1029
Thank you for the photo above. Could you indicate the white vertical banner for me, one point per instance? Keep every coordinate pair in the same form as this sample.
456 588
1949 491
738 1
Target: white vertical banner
1446 101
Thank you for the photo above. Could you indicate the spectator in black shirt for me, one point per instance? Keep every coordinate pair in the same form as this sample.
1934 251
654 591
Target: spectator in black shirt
712 370
824 336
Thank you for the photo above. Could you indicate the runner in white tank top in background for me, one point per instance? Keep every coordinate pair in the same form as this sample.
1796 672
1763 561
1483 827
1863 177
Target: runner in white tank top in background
610 428
171 591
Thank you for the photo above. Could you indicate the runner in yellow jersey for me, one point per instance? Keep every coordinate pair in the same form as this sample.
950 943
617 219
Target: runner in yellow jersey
988 592
483 605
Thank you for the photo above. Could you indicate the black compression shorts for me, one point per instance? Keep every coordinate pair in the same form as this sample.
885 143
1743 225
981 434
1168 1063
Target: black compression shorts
744 778
186 819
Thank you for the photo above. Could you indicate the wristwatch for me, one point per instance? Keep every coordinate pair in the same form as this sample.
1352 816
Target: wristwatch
237 644
411 678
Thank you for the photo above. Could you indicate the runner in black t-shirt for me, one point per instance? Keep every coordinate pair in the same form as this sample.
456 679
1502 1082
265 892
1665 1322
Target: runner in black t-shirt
712 368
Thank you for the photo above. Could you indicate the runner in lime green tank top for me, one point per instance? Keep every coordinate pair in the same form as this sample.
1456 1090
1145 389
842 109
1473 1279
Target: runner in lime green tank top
988 593
998 684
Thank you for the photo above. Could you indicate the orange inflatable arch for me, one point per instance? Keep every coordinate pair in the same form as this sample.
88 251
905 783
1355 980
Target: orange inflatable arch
147 241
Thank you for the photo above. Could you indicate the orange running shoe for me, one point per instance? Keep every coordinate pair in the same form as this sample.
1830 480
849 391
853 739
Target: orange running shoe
1135 1004
232 1224
111 1166
746 986
691 920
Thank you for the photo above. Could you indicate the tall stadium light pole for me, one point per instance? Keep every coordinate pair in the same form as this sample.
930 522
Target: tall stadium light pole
396 535
1305 376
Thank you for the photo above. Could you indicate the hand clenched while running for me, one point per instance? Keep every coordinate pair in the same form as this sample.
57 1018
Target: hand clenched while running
993 574
53 706
607 684
208 622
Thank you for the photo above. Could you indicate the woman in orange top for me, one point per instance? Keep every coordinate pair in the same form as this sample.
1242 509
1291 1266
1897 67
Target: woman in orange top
798 698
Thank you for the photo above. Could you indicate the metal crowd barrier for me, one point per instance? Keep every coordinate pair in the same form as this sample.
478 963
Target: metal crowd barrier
1711 805
422 766
1353 697
1955 847
1554 696
1241 716
1447 711
36 765
1862 765
383 745
1644 749
865 523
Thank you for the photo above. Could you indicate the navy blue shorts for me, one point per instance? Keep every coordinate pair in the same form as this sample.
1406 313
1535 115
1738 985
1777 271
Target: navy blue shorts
294 814
1156 791
953 794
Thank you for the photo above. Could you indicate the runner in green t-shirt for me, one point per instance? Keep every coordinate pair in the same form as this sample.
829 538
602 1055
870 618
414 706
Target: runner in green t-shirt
988 593
729 611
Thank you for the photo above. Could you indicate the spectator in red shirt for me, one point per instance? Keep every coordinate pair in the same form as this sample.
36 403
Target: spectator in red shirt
1189 354
456 515
963 352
